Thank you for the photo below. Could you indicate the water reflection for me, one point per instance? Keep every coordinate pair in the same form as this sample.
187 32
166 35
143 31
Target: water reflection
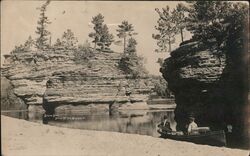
126 121
21 114
136 121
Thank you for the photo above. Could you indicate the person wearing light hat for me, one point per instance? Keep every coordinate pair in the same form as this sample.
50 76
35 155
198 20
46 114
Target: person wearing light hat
192 125
165 125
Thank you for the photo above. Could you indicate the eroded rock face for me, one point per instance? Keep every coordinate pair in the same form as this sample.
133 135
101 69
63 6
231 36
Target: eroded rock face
9 101
53 78
207 84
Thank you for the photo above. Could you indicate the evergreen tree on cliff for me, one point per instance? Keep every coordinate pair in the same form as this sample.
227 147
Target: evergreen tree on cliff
27 46
179 17
130 63
214 19
58 44
101 36
69 40
124 30
166 28
29 43
42 32
106 38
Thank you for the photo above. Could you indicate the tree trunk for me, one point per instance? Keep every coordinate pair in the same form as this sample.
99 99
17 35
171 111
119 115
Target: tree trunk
124 44
165 46
103 46
181 35
50 41
169 45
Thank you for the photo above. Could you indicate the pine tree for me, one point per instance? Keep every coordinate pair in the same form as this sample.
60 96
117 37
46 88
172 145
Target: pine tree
106 38
58 44
43 33
214 19
161 43
69 40
179 17
101 36
125 30
29 43
131 47
27 46
166 28
98 24
203 16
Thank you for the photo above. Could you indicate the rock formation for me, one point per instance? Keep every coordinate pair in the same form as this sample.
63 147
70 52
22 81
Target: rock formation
209 82
53 78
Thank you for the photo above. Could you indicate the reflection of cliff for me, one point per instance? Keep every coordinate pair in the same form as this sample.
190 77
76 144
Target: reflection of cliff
98 81
211 86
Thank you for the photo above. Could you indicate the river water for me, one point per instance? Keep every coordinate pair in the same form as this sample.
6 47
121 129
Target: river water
142 122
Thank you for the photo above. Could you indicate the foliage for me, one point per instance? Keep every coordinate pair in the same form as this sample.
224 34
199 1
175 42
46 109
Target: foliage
125 30
131 48
101 36
132 65
27 46
42 32
179 17
106 38
98 22
83 54
167 29
160 61
215 19
160 86
58 44
69 40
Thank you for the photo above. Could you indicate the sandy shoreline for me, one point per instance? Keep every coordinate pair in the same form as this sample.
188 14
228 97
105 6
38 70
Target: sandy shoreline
20 137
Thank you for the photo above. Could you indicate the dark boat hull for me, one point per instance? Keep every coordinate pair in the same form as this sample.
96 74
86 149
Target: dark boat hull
214 138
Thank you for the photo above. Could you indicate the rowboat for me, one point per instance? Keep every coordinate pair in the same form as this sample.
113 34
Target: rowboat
213 138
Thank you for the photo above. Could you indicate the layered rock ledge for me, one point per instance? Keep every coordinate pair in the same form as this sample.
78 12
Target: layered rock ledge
54 78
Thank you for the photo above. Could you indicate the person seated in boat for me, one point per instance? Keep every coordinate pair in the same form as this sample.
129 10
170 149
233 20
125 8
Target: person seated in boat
192 126
165 125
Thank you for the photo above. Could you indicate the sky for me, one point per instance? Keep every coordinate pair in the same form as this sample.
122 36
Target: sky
19 21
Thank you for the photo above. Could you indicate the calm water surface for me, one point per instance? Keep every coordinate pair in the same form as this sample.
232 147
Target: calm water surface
127 121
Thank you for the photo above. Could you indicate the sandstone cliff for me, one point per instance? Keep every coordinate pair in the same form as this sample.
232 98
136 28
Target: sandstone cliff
209 82
54 78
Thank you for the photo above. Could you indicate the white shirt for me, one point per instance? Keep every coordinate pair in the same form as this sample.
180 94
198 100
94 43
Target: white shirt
165 121
192 126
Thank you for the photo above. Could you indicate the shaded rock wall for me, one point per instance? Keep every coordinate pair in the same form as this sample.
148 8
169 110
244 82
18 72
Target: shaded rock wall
9 101
209 83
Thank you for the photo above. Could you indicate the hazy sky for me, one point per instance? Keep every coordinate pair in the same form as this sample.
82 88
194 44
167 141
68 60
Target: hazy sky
19 20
